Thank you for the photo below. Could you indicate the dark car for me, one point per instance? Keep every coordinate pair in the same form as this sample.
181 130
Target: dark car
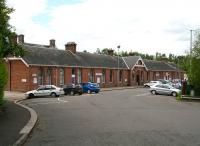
90 87
73 89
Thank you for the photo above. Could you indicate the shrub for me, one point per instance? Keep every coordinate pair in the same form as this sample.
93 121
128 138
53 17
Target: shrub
3 81
178 97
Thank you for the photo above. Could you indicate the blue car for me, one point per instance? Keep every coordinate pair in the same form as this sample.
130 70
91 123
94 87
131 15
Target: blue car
90 87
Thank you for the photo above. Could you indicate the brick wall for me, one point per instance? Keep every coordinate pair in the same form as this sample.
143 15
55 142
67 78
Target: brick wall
18 76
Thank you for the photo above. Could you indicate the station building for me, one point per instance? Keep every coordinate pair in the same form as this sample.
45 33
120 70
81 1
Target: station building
46 64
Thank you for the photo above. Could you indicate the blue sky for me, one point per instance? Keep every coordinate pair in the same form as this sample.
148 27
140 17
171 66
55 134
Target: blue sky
138 25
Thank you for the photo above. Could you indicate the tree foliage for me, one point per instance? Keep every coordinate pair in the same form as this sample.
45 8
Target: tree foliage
8 43
194 72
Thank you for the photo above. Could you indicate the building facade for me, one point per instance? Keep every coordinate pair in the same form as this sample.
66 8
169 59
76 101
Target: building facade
45 64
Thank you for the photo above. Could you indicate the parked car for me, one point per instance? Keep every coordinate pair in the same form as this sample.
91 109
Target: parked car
151 83
164 89
73 89
163 81
90 87
177 83
45 90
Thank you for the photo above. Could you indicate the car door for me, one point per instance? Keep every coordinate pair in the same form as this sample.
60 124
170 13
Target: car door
158 89
47 91
40 91
166 90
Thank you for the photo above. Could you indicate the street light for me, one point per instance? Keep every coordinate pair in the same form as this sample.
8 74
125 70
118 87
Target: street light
118 47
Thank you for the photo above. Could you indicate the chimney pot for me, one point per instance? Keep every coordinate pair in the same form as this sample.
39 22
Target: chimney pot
71 46
21 38
110 52
52 43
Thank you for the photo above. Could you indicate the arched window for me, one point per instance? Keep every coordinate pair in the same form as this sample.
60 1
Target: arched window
103 75
62 76
91 75
79 75
40 77
139 62
111 75
49 78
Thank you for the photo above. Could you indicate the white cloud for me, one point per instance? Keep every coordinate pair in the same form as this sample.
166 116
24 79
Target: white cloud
138 25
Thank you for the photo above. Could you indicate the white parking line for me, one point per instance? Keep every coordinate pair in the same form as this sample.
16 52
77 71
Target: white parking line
62 100
143 94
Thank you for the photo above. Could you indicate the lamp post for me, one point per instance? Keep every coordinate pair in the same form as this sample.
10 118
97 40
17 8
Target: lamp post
118 47
190 49
191 40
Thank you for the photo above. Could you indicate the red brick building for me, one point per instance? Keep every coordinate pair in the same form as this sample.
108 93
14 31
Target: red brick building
45 64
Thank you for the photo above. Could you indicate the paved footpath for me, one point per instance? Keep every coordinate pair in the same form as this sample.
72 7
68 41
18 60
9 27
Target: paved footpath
16 120
12 119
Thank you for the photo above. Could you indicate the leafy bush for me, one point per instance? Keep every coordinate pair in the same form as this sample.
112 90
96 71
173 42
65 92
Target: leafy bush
178 97
3 80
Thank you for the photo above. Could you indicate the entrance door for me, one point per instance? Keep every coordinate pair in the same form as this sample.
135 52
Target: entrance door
138 80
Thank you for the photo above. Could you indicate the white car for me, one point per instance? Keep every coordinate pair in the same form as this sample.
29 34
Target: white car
164 89
46 90
151 83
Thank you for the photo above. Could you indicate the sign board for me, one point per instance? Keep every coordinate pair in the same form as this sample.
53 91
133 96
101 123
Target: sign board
35 80
73 76
23 80
98 74
34 75
157 74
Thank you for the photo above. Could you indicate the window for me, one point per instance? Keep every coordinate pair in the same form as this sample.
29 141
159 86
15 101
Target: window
120 75
40 77
139 62
62 76
73 75
79 75
111 75
49 76
91 75
103 75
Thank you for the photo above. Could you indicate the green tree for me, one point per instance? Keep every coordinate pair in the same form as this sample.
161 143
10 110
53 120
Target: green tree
194 72
8 44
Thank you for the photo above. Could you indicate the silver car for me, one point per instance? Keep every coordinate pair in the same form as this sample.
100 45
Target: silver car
151 83
164 89
46 90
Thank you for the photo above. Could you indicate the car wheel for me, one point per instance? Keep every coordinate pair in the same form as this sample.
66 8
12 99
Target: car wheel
53 94
174 94
89 92
146 86
31 95
80 93
96 91
153 92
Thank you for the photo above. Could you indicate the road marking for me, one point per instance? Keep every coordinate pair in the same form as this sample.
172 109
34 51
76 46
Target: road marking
62 100
143 94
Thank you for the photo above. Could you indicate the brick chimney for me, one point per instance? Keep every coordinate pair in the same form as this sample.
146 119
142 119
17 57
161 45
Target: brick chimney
110 52
14 39
21 38
71 46
52 43
164 59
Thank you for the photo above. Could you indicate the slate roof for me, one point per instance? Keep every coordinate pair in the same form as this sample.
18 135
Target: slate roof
131 61
42 55
175 66
158 65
